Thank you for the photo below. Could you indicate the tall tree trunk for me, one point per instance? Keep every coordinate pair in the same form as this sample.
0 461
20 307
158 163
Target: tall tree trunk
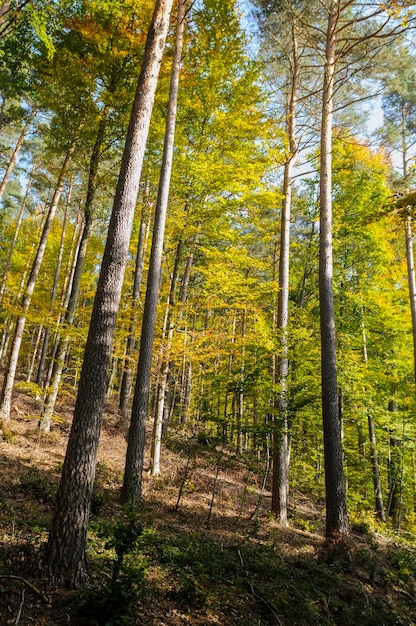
16 151
10 373
65 558
42 359
412 283
164 367
336 508
132 484
394 473
14 239
378 494
31 360
376 471
71 305
127 376
281 449
240 392
9 323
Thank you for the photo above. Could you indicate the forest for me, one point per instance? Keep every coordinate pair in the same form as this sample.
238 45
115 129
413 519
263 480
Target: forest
207 312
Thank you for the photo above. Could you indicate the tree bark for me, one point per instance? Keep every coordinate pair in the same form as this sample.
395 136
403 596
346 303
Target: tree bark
132 484
336 509
281 448
63 344
65 558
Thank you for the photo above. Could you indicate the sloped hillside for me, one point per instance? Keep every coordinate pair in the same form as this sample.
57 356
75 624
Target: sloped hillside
203 551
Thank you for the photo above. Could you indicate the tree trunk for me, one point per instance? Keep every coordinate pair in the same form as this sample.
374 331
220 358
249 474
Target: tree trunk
10 373
378 494
16 152
240 392
164 368
376 471
127 376
44 351
132 484
65 558
73 290
412 284
14 240
336 509
31 360
281 449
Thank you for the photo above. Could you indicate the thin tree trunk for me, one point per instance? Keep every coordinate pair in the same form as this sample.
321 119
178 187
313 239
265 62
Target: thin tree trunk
132 484
16 151
10 374
281 449
65 299
44 351
127 376
412 283
32 359
65 558
10 324
336 509
378 494
14 240
240 393
164 368
376 471
73 291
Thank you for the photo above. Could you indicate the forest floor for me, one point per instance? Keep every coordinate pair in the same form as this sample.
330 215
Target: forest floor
214 558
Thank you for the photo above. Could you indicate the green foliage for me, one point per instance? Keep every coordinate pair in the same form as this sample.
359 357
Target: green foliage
110 603
37 485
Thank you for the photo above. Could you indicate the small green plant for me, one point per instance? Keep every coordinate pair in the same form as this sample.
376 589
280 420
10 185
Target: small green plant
404 562
110 604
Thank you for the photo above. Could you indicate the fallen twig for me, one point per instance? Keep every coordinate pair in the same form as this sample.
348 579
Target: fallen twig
266 604
29 585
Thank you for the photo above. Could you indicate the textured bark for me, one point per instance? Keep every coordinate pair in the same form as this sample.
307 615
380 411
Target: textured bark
71 305
65 558
336 509
132 484
10 373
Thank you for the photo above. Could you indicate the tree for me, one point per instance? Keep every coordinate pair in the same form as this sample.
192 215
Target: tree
65 557
336 507
135 449
6 395
281 447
